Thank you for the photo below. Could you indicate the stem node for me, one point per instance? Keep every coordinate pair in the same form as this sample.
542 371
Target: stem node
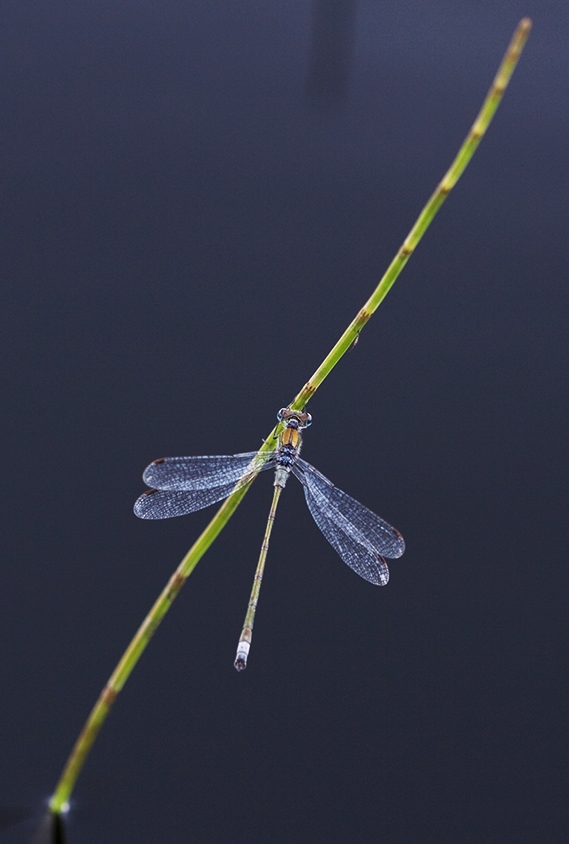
59 803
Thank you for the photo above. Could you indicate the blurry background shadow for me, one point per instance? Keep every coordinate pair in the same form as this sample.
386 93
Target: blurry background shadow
11 815
331 51
52 830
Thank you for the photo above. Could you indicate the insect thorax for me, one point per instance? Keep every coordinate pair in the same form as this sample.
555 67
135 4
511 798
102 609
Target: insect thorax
287 452
290 442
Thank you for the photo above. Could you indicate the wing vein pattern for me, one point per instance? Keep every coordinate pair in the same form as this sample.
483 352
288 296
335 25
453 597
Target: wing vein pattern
182 485
359 536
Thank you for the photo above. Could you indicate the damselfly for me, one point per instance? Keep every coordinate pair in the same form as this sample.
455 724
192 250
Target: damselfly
182 485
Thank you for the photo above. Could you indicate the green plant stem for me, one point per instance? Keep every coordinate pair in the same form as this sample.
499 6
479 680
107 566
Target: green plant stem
60 799
59 802
451 177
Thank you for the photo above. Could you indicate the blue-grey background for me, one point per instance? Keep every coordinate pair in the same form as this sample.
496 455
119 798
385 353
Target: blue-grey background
196 199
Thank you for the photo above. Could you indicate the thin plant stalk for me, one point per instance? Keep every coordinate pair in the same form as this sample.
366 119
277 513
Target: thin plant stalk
449 180
59 802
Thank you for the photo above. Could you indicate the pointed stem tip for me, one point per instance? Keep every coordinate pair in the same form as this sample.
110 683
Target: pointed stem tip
520 35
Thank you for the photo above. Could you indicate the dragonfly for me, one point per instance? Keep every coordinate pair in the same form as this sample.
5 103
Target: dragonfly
182 485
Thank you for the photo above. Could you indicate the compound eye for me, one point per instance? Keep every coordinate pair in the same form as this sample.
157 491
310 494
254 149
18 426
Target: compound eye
281 414
308 421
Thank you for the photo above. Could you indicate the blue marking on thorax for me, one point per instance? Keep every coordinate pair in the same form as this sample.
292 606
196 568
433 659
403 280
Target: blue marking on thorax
287 456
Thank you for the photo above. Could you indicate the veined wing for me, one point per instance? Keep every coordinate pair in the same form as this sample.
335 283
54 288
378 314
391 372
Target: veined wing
188 484
201 473
341 519
166 503
379 533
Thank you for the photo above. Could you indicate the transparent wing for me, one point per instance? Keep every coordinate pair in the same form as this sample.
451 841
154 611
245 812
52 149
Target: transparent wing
166 503
187 484
379 533
359 536
199 473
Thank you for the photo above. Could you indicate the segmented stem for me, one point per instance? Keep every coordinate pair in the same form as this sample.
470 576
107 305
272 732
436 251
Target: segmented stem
59 803
247 632
449 180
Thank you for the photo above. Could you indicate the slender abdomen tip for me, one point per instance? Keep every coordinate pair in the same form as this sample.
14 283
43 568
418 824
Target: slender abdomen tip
241 656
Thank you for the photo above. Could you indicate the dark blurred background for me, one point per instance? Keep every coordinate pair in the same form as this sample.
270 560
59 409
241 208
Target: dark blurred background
196 199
